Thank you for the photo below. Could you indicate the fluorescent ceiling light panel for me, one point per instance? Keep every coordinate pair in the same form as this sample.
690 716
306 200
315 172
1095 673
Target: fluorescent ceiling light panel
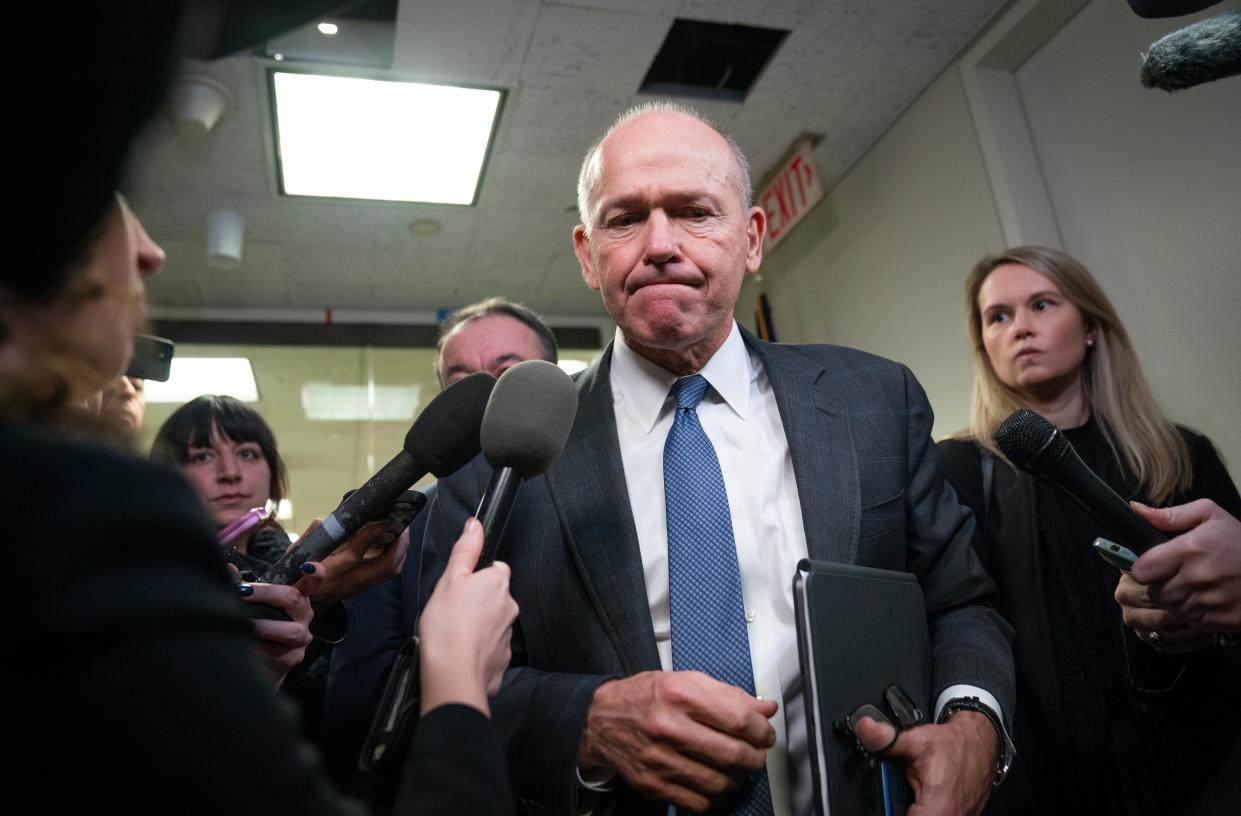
343 137
571 367
194 376
328 402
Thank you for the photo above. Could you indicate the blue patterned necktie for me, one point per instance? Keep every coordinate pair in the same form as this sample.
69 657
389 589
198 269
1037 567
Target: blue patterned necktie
704 582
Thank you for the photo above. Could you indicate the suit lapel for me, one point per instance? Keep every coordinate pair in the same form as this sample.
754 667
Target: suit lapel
588 489
816 425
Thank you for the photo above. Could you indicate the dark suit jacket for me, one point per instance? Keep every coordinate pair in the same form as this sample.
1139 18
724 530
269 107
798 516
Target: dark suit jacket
858 429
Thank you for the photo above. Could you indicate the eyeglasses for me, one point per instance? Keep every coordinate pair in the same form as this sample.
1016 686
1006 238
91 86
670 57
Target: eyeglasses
899 711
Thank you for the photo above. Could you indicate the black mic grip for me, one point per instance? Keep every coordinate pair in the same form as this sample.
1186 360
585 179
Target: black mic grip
1073 477
362 505
494 510
314 546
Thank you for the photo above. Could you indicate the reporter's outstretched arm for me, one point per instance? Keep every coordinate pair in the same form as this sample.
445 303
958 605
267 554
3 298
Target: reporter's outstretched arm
456 763
466 629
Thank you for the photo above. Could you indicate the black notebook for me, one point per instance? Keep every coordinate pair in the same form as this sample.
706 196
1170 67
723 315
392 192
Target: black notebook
859 631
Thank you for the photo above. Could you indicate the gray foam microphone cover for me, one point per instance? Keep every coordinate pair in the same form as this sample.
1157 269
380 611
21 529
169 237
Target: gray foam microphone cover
528 417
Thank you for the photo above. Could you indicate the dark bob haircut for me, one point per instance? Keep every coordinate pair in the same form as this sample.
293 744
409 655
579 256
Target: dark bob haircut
190 427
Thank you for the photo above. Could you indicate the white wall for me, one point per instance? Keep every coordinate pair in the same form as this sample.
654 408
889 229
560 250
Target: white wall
1144 187
879 264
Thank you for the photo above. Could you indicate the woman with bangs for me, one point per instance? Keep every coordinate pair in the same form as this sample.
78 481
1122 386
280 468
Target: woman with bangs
1109 718
228 453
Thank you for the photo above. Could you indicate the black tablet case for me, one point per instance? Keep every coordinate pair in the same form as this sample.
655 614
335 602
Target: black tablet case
859 630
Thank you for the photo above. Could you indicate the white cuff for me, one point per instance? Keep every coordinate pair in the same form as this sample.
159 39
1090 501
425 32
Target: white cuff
956 692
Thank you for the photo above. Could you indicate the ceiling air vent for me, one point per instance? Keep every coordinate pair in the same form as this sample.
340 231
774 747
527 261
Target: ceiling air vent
711 60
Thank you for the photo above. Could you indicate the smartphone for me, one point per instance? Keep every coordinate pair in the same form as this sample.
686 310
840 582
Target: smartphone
1121 558
252 518
152 358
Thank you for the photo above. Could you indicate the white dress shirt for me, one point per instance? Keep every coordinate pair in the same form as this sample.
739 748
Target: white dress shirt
740 416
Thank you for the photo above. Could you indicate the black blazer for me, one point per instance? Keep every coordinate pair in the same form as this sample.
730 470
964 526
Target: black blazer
137 688
858 429
1009 545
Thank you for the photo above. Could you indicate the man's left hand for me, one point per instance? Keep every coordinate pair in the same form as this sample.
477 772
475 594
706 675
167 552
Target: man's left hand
950 766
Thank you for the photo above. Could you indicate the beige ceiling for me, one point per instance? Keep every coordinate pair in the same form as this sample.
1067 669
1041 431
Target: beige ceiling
846 71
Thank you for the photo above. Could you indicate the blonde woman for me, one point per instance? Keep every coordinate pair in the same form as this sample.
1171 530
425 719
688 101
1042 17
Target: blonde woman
1097 726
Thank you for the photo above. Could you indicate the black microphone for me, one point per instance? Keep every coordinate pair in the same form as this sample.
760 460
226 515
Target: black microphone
1152 9
1208 50
443 438
1036 446
524 431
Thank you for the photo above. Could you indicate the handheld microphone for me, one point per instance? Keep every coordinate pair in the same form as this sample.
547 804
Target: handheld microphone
1036 446
443 438
524 431
1152 9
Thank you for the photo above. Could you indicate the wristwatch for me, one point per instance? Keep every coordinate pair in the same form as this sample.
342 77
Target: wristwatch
1004 750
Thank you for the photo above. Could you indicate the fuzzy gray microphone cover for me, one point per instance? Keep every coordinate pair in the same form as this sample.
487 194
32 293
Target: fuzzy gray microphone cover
1208 50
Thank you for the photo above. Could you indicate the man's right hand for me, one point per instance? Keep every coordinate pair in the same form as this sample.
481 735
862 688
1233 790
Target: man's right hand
678 737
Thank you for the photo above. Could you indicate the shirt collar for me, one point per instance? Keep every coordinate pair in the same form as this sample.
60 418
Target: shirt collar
643 385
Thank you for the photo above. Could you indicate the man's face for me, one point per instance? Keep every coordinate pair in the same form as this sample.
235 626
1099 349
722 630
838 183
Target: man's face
670 242
124 405
492 343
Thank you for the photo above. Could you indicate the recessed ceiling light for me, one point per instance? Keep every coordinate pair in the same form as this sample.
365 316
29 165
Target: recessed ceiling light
344 137
328 29
329 402
278 57
194 376
425 228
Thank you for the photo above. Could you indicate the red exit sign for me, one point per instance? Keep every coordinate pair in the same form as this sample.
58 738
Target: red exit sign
795 189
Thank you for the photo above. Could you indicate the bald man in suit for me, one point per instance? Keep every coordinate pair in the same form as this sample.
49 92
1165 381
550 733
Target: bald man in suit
823 452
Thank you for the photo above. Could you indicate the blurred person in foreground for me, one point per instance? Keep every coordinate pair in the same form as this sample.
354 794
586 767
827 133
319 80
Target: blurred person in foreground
137 689
138 663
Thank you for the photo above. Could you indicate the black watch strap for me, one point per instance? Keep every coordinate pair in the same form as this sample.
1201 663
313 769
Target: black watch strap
1004 752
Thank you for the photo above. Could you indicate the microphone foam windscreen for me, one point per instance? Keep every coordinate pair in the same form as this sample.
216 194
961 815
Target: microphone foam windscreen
1023 436
1208 50
529 417
446 434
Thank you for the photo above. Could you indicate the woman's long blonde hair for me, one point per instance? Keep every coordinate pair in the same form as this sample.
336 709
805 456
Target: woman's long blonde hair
1118 396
